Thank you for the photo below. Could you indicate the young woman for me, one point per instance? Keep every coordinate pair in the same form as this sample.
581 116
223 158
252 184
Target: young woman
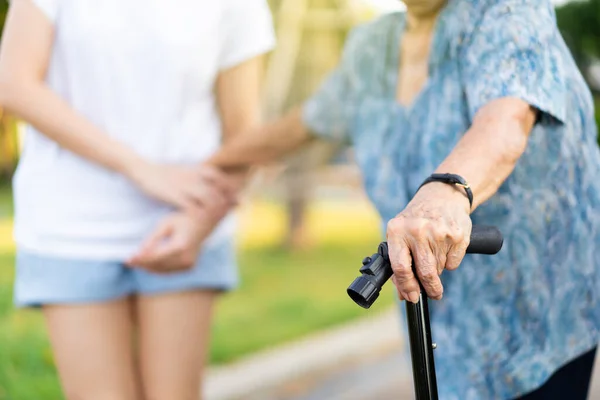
123 100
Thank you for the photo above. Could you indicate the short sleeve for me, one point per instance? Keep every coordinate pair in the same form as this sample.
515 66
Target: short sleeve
515 52
328 112
48 7
246 31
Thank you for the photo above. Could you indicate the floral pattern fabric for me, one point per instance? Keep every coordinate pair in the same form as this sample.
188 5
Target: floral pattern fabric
508 321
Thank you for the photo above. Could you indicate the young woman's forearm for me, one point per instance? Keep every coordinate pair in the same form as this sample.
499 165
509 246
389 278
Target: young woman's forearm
263 144
36 104
25 54
489 151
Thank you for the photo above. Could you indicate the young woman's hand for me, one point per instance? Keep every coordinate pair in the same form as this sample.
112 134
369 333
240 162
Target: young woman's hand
174 245
176 242
188 188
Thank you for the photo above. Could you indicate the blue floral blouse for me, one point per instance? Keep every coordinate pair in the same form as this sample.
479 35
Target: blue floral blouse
506 322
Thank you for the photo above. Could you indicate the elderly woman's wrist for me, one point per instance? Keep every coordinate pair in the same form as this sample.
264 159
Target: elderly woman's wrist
451 179
447 193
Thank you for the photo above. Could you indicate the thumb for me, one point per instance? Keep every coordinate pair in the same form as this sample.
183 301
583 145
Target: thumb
162 232
218 178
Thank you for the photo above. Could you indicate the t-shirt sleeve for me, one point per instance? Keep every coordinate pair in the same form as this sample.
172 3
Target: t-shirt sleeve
327 114
48 7
515 53
246 31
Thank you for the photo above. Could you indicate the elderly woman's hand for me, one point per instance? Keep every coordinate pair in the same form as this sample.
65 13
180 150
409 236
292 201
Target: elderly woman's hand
432 232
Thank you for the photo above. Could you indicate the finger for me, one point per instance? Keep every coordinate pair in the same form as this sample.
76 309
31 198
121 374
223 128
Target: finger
207 196
179 251
179 200
179 245
168 263
439 250
170 248
160 234
426 267
158 266
458 242
187 202
220 198
395 282
405 280
182 201
401 261
218 178
456 255
159 253
162 259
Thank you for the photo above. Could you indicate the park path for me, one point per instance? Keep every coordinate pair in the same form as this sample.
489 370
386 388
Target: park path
336 365
382 378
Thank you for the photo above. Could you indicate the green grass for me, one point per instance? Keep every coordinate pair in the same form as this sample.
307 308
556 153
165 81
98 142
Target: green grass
283 296
5 200
26 366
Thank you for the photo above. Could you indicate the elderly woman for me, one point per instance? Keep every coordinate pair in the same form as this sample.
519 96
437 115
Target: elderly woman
485 90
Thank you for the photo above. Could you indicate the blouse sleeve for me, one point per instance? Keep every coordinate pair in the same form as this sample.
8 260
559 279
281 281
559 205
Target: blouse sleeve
246 31
515 53
328 112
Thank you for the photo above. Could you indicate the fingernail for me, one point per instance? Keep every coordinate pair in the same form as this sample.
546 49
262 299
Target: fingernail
413 297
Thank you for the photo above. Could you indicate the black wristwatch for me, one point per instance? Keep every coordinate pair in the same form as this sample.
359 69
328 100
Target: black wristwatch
451 179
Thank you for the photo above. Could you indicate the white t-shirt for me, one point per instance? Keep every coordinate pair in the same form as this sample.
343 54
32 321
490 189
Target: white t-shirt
144 72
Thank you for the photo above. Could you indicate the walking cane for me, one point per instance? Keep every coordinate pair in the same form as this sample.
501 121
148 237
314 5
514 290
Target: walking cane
376 270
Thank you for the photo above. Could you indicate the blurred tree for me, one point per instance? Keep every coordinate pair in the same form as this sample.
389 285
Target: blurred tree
3 9
579 23
310 37
8 127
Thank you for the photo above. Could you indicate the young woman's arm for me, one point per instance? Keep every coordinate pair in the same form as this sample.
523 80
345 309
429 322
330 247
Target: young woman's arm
176 242
24 57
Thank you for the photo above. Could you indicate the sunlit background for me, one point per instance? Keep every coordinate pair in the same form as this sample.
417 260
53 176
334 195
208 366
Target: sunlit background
305 225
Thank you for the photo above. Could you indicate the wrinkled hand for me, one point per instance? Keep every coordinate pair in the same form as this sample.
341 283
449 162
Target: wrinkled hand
187 188
433 231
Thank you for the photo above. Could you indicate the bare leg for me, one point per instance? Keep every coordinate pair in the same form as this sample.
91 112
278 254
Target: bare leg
93 350
174 331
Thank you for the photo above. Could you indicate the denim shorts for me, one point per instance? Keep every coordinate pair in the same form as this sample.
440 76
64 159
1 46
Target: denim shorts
41 279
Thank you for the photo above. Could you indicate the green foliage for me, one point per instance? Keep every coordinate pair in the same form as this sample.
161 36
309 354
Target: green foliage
3 10
579 23
285 296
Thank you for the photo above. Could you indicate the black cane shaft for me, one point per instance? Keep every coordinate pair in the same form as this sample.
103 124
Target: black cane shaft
484 240
421 349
